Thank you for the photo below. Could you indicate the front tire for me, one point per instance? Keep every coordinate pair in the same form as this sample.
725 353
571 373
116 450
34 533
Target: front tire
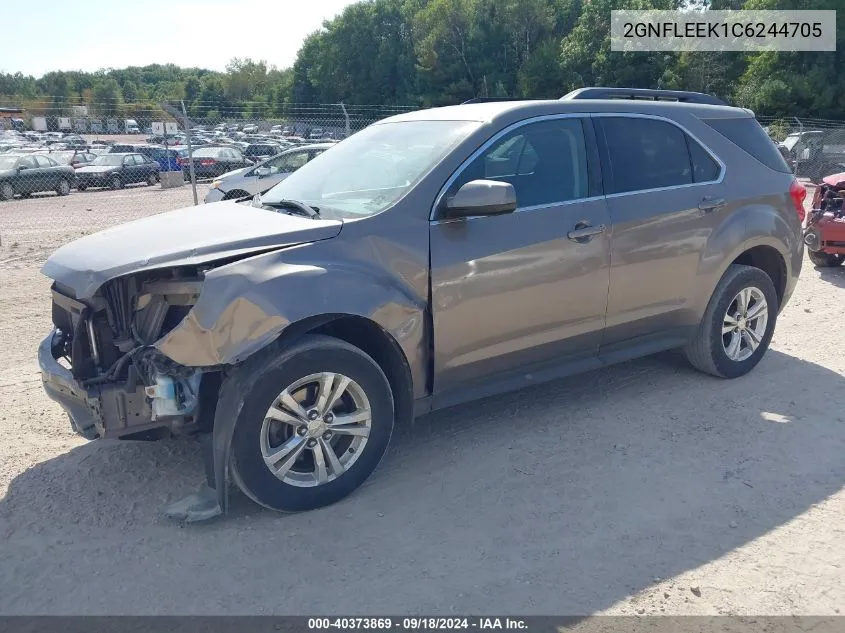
7 191
63 188
825 260
738 324
237 193
151 180
115 182
314 422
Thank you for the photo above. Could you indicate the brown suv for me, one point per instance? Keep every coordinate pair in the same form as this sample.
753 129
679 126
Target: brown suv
432 258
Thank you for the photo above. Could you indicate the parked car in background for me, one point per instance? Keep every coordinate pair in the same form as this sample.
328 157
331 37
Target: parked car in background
122 148
117 170
261 151
315 133
131 126
168 158
212 161
74 141
26 174
161 139
73 158
250 128
263 176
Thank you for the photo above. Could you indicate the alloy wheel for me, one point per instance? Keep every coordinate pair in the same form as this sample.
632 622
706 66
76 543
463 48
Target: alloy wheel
744 324
315 429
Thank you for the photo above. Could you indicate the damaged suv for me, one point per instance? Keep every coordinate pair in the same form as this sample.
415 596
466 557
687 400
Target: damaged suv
433 258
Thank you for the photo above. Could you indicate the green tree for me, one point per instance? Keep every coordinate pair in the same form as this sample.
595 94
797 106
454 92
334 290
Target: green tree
107 96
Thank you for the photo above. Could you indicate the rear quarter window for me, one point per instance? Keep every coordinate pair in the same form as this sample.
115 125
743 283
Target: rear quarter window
749 136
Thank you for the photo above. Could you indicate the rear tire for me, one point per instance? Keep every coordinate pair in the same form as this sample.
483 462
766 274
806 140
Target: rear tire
825 260
63 188
712 349
302 484
151 180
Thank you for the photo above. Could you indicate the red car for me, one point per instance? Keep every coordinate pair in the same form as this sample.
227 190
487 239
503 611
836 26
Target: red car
825 232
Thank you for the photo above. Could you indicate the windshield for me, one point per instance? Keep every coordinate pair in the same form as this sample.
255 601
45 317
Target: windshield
790 141
8 162
108 159
368 172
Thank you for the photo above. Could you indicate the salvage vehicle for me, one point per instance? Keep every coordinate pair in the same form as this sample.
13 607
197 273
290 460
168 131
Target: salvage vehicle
27 174
116 170
825 231
433 258
814 153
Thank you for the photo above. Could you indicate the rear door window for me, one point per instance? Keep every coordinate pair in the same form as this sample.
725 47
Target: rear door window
643 153
704 168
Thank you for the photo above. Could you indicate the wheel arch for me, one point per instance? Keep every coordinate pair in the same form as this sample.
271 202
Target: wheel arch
235 193
770 261
372 339
758 236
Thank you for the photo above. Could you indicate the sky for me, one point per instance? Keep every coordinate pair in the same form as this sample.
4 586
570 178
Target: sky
94 34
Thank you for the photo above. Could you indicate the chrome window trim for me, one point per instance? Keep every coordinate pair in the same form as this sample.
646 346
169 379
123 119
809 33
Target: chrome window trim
722 167
570 115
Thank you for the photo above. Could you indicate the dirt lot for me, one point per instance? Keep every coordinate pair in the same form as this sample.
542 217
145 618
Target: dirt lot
644 488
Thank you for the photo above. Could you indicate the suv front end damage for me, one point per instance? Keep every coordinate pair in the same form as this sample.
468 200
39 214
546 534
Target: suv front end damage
100 362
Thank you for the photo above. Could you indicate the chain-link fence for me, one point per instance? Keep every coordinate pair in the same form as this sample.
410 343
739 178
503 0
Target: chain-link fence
67 148
52 146
814 148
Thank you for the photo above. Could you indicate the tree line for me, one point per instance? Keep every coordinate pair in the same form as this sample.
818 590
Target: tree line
436 52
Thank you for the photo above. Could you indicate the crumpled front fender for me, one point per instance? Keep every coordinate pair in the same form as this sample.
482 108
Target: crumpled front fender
247 305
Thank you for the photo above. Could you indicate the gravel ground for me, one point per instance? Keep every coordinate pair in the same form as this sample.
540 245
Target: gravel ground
644 488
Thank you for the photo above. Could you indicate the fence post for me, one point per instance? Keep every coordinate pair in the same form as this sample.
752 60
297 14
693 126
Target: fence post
345 116
190 153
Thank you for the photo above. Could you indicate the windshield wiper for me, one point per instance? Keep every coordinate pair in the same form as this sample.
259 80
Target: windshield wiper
295 206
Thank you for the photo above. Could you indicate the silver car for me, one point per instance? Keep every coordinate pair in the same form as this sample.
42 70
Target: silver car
263 176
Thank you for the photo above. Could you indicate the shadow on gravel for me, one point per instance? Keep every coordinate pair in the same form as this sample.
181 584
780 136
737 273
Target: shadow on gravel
835 275
559 499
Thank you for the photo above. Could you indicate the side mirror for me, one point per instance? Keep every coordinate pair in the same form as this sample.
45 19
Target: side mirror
262 172
481 197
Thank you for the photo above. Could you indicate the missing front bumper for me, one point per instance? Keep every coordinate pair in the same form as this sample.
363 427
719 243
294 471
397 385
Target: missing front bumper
111 410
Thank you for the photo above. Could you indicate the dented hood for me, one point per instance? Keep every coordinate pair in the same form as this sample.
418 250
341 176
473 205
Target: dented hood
184 237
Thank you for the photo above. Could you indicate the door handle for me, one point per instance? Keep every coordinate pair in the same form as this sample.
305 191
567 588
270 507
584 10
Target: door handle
709 204
584 232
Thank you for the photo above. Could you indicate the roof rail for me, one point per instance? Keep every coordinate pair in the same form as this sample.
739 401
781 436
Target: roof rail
492 99
643 94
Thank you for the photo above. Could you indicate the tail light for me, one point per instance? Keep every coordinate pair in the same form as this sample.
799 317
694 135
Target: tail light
798 192
205 162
